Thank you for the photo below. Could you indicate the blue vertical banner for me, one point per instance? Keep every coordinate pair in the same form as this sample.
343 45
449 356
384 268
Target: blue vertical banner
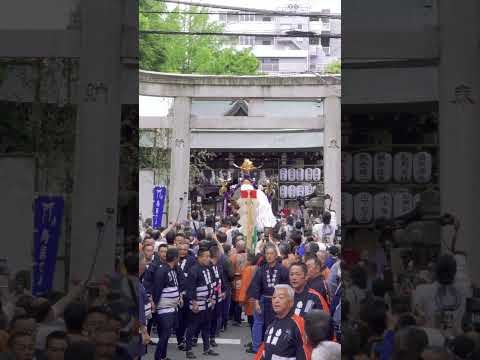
48 223
159 196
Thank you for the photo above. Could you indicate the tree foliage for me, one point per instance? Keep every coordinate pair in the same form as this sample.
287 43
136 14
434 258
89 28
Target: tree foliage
192 54
334 67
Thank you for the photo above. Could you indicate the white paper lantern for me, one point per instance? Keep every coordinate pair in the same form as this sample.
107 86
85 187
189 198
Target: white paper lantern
422 167
308 174
363 207
300 174
283 191
283 174
362 167
291 174
402 167
347 167
292 191
402 203
382 167
308 189
300 191
347 208
317 174
382 206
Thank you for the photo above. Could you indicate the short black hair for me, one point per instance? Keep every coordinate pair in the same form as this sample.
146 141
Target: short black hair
296 237
162 246
170 237
210 221
462 346
56 335
74 315
172 254
80 350
155 234
312 248
214 251
221 237
202 250
359 276
446 269
227 248
300 265
41 310
379 288
318 326
201 234
406 320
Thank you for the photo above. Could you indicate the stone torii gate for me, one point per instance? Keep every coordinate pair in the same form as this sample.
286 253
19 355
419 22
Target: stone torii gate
256 89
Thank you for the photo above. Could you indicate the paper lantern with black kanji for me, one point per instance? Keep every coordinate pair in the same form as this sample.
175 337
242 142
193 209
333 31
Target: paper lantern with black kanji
363 207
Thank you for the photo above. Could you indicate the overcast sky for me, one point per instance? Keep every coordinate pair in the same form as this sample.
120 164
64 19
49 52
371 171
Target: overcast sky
315 5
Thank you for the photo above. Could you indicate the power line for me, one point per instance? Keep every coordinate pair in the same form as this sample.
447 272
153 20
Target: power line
246 9
300 34
278 14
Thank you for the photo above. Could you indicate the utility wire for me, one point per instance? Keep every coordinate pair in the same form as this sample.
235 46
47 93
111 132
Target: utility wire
277 14
300 34
246 9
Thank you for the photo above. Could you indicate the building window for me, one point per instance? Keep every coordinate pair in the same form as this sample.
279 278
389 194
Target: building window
223 17
263 41
247 40
314 18
247 17
267 19
325 41
232 18
314 41
326 51
299 27
270 65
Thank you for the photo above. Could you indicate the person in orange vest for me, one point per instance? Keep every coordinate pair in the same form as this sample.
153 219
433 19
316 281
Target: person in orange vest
305 298
323 256
285 336
239 262
248 303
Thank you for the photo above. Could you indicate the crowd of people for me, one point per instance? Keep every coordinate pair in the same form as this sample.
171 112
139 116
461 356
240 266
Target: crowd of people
200 277
93 321
298 293
421 310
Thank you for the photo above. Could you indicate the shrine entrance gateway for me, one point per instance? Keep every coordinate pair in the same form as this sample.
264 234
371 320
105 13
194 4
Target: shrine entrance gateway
266 128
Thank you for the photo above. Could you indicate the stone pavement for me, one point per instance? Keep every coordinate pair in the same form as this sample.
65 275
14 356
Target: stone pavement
230 346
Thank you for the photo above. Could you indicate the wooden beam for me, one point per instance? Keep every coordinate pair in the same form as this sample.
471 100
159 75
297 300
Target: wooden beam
257 122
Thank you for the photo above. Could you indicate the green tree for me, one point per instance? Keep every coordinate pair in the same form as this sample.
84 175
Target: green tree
334 67
201 54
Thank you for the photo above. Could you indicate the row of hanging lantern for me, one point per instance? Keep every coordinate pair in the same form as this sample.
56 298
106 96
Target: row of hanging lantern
381 167
300 174
295 191
364 207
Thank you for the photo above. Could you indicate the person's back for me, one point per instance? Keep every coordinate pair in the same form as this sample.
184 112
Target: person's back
442 304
